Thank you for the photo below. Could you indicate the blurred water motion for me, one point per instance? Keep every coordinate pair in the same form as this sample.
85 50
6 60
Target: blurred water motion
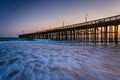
34 60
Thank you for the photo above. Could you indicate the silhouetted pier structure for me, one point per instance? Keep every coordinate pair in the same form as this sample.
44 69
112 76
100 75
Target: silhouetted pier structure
101 30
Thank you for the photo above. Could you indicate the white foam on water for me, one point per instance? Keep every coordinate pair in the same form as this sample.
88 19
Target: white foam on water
49 60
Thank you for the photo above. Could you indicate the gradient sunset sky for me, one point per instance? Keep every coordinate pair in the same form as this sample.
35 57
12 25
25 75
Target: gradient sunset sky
23 16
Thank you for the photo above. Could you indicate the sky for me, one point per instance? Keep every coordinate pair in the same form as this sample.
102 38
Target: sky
25 16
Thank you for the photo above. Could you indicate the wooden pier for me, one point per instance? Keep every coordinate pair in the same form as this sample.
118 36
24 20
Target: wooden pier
102 30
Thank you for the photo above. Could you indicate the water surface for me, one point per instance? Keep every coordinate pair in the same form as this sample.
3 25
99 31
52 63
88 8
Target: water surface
56 60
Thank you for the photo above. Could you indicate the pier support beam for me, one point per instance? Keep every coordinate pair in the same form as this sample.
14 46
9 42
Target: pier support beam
87 35
105 34
116 33
70 34
73 34
110 33
102 34
95 34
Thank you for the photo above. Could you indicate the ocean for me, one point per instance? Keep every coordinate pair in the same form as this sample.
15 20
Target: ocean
42 59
